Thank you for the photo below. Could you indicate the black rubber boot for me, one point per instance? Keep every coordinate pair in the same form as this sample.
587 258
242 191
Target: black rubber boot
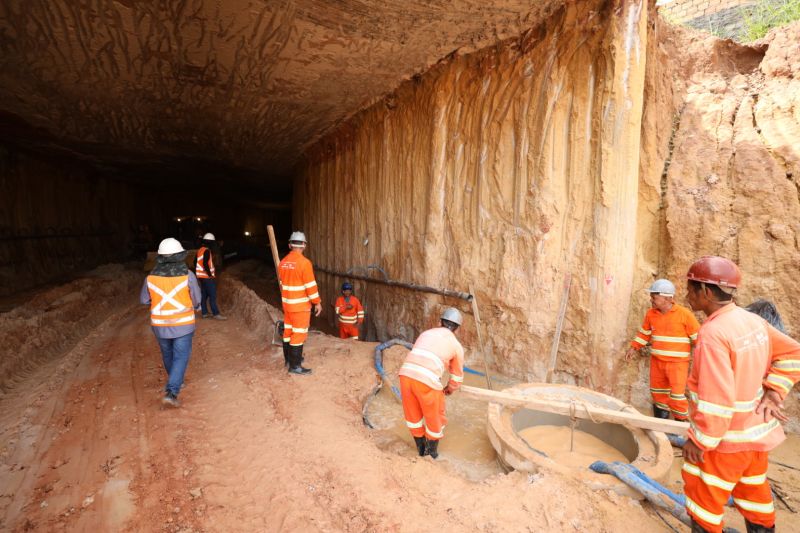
660 413
431 448
286 354
758 528
420 442
696 528
296 360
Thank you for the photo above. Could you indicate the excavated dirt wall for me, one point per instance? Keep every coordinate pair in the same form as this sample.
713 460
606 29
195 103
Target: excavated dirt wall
56 219
511 169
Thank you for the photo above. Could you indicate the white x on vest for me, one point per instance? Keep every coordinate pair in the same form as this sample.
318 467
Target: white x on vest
168 298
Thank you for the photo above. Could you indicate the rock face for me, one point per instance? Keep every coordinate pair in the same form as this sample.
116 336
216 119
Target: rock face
512 169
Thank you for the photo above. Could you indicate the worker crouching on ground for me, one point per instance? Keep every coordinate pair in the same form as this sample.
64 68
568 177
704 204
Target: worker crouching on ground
173 294
207 274
743 369
670 328
299 296
421 387
349 312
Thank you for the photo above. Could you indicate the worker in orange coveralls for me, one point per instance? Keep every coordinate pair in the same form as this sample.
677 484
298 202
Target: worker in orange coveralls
421 387
743 369
670 328
299 296
349 312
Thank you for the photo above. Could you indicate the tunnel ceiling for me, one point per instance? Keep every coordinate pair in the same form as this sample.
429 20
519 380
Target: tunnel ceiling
232 89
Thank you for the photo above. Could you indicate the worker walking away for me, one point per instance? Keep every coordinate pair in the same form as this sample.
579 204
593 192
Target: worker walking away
670 329
207 275
421 387
299 296
743 369
349 312
173 294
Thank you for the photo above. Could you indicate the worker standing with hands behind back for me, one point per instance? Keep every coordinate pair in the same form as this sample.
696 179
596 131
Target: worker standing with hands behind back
743 369
299 296
421 388
349 312
670 328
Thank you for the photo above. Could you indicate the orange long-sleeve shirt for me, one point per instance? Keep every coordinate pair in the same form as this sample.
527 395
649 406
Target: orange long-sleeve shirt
298 286
737 355
670 333
434 351
353 315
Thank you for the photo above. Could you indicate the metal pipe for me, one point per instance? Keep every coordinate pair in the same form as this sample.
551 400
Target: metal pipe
412 286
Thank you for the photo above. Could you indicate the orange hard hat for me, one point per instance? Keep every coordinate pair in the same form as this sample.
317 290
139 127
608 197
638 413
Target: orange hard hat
715 270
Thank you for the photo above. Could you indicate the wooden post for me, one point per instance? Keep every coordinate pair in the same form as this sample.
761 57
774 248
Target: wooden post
481 347
579 409
275 257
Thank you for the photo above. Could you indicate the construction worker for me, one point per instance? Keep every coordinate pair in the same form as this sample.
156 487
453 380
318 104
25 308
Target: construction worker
421 387
670 328
349 312
207 274
743 369
173 294
299 295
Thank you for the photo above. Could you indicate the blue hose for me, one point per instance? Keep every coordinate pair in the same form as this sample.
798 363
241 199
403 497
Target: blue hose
650 489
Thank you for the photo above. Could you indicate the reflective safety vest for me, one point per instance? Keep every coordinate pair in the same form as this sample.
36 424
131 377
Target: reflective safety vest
170 301
434 351
199 271
298 286
349 316
670 333
738 355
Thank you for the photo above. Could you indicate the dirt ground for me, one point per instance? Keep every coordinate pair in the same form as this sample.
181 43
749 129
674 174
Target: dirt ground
86 445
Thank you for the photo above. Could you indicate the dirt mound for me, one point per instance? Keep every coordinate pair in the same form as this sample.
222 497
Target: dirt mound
54 320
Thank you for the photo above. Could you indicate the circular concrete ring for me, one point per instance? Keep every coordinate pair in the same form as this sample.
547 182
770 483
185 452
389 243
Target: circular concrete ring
649 451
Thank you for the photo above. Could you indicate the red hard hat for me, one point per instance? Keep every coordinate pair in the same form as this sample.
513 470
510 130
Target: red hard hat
716 271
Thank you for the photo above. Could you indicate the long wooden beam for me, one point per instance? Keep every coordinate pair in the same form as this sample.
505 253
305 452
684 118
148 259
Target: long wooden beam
579 409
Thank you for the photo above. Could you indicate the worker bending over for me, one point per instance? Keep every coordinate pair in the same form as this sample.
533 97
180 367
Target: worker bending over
349 312
421 387
670 328
207 275
743 369
299 296
173 294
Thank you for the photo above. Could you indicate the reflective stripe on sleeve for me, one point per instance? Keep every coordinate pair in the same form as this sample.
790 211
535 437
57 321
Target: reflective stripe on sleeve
457 379
792 365
705 440
639 340
785 384
310 285
684 340
645 331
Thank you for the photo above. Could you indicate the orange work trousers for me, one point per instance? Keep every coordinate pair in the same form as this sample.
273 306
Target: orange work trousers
423 408
709 484
295 327
668 386
347 331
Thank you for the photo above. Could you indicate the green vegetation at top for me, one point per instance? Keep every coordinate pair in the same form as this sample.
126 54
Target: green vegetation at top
764 15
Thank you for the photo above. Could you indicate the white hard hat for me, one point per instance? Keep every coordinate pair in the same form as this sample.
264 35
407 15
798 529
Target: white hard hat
169 246
209 237
664 287
298 236
453 315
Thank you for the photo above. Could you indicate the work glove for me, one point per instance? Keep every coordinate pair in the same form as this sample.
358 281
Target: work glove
447 391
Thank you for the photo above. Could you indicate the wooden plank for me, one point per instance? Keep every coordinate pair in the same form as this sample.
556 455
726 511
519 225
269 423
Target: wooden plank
274 247
579 408
481 346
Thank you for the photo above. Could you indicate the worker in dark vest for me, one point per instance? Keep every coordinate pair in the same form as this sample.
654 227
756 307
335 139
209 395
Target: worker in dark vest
207 275
173 294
